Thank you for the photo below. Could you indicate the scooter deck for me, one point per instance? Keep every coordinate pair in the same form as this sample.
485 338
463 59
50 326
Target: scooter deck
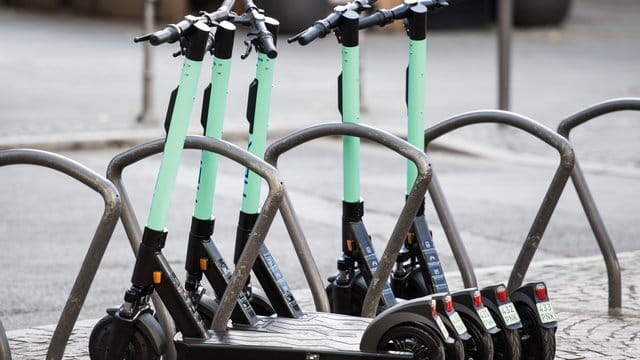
330 336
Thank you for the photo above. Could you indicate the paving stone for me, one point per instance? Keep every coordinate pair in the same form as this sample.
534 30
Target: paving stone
585 331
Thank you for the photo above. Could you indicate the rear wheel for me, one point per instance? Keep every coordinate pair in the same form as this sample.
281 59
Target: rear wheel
480 346
506 343
140 347
538 343
261 304
454 351
417 339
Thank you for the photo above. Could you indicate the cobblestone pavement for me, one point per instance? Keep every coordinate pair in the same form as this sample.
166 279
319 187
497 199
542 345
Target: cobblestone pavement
578 290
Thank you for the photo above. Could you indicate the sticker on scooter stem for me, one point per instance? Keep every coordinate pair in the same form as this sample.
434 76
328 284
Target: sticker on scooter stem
457 323
546 312
509 314
486 318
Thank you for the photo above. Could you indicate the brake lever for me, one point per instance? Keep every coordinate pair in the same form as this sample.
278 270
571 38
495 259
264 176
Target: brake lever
251 37
142 38
183 48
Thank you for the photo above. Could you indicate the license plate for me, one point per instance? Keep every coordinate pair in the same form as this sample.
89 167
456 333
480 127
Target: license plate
443 328
457 323
486 318
545 310
509 314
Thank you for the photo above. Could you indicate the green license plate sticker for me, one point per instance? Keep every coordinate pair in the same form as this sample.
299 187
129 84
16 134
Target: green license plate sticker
486 318
546 312
509 314
457 323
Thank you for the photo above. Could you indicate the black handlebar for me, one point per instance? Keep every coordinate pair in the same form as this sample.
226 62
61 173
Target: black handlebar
260 36
173 32
324 26
264 40
384 17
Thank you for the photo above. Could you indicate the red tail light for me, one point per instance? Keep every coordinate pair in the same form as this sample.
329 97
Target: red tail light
541 292
448 304
477 299
434 310
501 293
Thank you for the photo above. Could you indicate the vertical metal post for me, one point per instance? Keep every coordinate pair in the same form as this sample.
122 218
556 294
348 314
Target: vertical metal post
149 25
5 352
505 19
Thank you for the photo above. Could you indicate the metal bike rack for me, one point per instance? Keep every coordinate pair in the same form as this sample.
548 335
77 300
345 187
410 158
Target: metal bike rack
5 351
588 204
98 244
549 202
401 228
223 148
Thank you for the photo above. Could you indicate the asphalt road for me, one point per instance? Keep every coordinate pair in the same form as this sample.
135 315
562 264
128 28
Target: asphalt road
62 74
48 220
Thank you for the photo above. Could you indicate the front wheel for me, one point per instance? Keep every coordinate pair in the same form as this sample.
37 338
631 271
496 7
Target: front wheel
417 339
538 343
140 347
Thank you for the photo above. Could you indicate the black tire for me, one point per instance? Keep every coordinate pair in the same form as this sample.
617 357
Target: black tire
139 348
410 286
454 351
358 292
418 339
261 304
480 346
506 343
538 343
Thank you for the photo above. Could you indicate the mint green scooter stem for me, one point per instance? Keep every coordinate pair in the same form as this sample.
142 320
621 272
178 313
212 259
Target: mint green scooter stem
351 114
416 102
173 147
220 72
258 131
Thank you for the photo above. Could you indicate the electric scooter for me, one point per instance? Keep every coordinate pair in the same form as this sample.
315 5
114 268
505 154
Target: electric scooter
133 332
418 272
265 269
358 262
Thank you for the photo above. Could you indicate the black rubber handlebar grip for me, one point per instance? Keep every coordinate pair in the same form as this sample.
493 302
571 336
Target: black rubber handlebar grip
311 34
268 46
168 34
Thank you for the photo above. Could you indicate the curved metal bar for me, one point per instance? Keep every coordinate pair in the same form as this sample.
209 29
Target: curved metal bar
405 219
5 351
309 267
587 201
605 107
98 244
451 231
553 193
232 152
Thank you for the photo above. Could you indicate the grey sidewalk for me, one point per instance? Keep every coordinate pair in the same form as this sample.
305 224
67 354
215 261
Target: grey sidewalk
578 291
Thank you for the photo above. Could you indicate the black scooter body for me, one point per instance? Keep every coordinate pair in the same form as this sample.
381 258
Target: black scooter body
491 301
526 295
463 303
327 336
